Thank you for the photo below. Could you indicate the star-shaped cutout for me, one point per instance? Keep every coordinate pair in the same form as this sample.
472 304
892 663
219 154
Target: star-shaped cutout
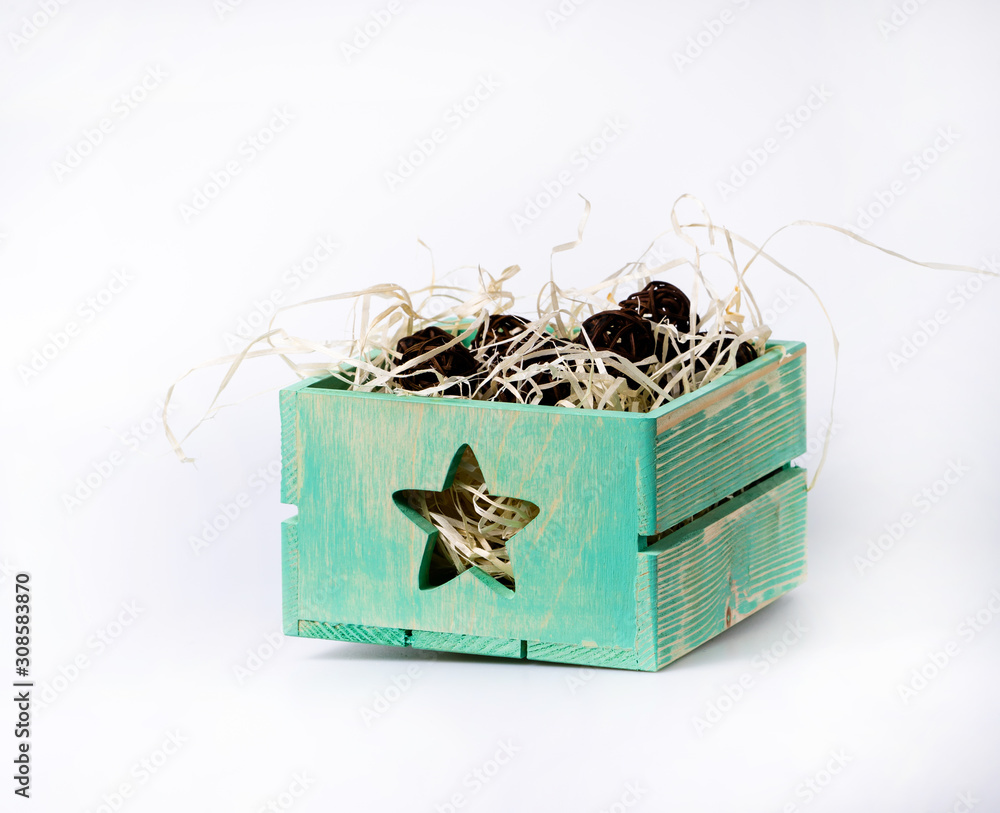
467 526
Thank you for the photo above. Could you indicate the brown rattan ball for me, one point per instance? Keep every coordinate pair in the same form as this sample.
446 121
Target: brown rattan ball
454 361
623 331
541 387
661 302
745 352
499 328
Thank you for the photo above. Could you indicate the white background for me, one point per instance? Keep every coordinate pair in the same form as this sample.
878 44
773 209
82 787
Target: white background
580 739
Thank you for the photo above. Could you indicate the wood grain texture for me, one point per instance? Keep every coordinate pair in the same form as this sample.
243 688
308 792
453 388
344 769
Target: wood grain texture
729 434
719 569
290 576
588 591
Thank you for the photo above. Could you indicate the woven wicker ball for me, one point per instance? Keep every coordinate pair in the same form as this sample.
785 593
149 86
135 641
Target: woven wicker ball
623 331
454 361
540 387
661 302
745 352
498 329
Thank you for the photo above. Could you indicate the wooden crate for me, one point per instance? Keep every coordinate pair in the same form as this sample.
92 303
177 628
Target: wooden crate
656 531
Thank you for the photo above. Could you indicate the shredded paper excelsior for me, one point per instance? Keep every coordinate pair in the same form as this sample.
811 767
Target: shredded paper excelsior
551 353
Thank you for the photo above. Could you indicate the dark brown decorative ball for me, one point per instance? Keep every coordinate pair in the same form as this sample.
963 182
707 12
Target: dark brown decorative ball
498 329
661 302
745 352
541 387
625 332
455 361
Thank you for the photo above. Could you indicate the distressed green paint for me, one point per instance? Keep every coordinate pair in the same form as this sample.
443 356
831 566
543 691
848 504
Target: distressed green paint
587 589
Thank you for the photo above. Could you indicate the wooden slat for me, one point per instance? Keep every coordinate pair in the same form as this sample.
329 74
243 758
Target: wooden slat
721 568
731 435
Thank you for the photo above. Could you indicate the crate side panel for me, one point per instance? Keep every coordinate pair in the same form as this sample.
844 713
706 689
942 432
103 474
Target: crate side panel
467 644
714 572
720 444
777 556
645 602
360 555
290 576
287 401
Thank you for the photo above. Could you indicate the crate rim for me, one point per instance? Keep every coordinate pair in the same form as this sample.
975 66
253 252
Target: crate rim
776 353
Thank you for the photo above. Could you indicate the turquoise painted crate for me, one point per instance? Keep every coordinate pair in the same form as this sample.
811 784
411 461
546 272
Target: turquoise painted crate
655 531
